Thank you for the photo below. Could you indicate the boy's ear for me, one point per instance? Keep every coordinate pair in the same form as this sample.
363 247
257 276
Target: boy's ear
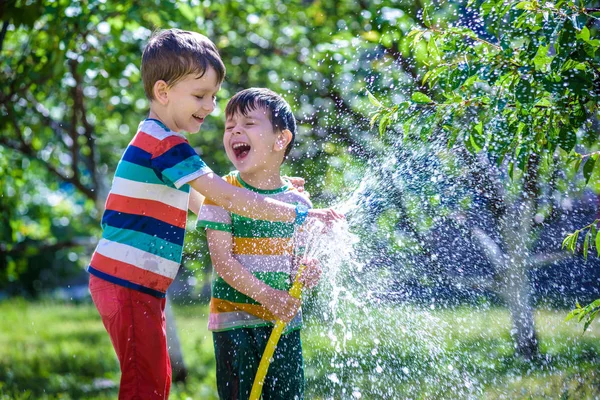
285 137
161 92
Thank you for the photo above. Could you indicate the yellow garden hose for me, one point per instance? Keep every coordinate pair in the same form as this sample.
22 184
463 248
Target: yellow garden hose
265 361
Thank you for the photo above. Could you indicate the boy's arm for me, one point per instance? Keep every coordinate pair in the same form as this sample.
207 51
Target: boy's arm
195 203
278 302
252 205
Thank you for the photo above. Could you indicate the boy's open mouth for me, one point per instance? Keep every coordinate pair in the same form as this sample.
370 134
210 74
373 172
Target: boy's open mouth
240 150
197 118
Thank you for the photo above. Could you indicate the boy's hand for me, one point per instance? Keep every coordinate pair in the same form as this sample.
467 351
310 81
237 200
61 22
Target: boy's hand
280 304
298 184
326 215
312 273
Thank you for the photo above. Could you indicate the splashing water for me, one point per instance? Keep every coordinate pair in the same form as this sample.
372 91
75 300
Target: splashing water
361 344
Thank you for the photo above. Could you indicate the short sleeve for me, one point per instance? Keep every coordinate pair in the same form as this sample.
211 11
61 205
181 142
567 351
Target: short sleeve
213 216
178 162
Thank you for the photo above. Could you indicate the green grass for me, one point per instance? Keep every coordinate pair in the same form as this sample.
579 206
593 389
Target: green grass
61 351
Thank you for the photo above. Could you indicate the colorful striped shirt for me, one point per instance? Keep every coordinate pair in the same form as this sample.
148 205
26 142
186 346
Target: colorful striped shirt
265 248
146 211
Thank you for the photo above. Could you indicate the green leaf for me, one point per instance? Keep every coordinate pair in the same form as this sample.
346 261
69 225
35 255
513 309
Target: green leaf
374 118
590 319
586 244
420 98
567 139
598 243
383 123
576 163
525 5
571 315
584 34
413 32
588 168
566 241
433 49
374 100
524 92
574 241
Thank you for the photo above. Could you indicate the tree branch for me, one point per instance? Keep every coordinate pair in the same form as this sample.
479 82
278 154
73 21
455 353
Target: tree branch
474 282
25 148
485 182
79 107
543 260
492 251
3 34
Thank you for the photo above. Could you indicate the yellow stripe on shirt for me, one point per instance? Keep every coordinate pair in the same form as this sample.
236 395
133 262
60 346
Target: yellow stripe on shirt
263 246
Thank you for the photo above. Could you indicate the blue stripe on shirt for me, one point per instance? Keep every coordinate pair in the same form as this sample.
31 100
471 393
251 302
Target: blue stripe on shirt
125 283
144 224
174 156
137 156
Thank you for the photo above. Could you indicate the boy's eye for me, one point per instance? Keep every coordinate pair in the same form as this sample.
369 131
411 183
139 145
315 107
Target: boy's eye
199 97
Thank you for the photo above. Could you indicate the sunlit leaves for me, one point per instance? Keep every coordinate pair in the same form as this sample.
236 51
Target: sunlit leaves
420 98
591 239
544 60
586 314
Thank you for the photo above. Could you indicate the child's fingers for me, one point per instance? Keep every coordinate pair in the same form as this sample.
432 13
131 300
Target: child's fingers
287 307
312 274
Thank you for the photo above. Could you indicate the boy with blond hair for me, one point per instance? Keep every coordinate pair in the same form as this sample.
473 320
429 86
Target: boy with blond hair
145 218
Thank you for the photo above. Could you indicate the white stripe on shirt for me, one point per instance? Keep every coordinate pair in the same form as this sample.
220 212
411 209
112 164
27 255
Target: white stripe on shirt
139 258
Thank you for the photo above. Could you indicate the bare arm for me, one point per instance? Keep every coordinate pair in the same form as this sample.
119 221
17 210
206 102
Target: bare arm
196 200
252 205
278 302
241 201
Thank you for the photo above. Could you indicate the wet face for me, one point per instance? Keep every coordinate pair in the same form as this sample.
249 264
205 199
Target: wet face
190 100
251 142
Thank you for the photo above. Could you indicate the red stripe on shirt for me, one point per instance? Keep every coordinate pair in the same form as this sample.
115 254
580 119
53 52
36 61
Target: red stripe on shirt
166 144
150 208
145 142
130 273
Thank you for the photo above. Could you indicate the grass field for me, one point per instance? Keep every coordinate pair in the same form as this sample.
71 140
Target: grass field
61 351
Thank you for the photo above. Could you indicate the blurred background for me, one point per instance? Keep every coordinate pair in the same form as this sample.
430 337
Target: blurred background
459 137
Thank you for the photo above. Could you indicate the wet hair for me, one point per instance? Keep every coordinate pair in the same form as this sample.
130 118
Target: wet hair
278 110
172 54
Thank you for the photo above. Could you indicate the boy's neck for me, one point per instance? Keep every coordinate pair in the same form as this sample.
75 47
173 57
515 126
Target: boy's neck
263 179
155 114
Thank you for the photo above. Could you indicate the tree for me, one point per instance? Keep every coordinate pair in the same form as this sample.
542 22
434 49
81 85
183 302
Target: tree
517 103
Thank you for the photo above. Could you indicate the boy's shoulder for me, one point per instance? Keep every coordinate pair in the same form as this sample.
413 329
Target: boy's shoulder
152 135
155 138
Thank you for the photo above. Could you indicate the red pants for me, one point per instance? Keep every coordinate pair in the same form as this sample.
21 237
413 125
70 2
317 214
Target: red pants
135 322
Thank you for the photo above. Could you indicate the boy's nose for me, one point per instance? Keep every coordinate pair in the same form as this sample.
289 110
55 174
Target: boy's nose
209 106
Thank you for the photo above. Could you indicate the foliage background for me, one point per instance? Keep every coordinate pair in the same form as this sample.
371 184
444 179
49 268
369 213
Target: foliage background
71 98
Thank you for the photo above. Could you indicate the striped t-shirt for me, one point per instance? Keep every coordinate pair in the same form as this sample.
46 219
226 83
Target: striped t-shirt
265 248
146 211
